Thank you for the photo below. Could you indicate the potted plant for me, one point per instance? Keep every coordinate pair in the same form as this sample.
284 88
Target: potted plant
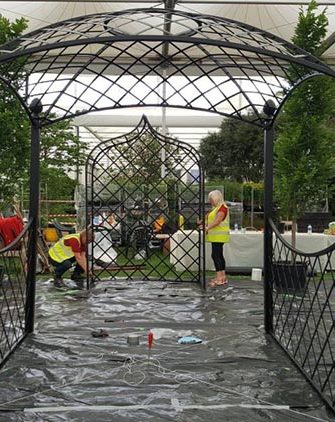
304 146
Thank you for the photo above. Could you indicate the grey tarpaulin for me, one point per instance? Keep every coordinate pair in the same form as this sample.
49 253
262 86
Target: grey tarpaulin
63 373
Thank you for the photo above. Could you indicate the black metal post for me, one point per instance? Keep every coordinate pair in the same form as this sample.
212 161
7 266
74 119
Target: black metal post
268 209
202 244
36 108
78 150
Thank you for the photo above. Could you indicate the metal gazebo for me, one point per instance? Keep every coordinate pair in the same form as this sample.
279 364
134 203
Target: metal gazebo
120 60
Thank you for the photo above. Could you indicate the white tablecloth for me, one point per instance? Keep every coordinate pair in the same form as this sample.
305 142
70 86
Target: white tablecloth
314 242
244 249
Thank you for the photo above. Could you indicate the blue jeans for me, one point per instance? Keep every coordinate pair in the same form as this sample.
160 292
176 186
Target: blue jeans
62 267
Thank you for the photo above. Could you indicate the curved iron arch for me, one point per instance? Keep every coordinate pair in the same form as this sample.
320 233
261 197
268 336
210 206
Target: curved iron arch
112 168
291 92
143 125
25 106
212 45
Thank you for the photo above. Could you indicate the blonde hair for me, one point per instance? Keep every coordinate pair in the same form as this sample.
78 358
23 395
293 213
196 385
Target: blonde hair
216 196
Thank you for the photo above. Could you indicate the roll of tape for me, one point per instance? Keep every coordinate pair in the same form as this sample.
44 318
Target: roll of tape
133 340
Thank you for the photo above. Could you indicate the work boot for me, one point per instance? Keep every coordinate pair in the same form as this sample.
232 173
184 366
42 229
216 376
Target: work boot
80 284
77 277
58 282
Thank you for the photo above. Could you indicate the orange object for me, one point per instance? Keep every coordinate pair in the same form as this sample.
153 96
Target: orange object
50 234
158 223
111 219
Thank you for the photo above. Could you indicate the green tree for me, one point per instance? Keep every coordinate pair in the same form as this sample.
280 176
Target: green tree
304 148
235 152
61 148
61 151
148 169
143 158
14 124
56 185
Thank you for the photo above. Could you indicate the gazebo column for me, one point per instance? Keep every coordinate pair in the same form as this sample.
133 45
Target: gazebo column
269 109
34 197
268 206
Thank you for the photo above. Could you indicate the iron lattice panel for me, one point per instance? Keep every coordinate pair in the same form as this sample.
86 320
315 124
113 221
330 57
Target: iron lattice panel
144 181
117 60
303 311
13 275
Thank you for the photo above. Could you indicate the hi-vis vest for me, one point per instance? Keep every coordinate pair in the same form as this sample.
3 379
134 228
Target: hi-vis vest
218 233
60 252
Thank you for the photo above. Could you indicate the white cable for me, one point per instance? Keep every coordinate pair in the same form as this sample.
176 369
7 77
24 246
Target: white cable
145 406
130 362
165 372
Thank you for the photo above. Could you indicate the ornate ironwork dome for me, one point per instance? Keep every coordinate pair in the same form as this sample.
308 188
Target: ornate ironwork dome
118 60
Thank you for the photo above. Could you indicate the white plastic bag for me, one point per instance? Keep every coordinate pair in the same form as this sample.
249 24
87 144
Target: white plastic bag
103 249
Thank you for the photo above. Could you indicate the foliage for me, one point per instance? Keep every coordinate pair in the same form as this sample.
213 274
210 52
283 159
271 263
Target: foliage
238 192
14 124
61 151
311 29
11 30
141 160
61 148
138 169
258 193
305 146
135 175
56 185
332 180
235 152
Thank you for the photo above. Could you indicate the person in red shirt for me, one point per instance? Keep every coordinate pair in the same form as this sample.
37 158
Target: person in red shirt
10 229
69 250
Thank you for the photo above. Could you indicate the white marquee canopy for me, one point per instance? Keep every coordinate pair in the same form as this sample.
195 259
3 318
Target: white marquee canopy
276 16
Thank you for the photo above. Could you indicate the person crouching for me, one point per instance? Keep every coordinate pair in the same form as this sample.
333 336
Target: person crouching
69 250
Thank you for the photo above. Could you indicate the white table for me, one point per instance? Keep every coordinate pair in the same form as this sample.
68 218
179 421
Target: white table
314 242
244 250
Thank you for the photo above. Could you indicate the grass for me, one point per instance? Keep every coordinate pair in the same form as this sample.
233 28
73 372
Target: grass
157 267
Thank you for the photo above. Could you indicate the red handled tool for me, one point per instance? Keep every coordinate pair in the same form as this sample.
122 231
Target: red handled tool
150 342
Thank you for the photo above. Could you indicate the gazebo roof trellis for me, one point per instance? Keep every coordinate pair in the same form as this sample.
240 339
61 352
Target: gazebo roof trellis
119 60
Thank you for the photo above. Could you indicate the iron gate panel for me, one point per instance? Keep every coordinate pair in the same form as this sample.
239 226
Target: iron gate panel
303 311
13 294
142 189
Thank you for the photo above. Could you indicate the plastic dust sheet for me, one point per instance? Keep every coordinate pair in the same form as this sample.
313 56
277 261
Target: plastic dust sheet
236 373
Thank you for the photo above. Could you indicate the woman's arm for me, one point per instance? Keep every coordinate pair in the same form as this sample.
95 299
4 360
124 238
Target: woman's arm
81 260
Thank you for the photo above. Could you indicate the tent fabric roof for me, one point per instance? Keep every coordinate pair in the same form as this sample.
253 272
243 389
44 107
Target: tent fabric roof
92 63
276 16
152 22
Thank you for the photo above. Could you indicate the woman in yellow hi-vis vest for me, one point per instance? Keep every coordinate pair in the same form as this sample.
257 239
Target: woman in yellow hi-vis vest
217 232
